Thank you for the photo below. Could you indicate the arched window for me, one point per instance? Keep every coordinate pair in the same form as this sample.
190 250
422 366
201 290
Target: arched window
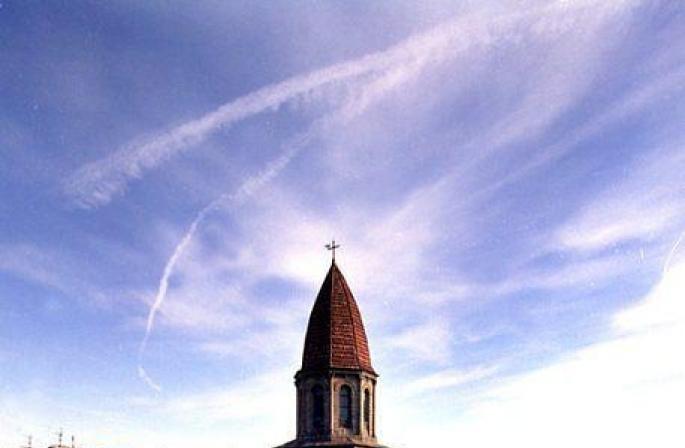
346 407
367 409
317 407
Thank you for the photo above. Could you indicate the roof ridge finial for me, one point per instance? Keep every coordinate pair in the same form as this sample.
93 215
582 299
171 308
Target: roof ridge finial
332 246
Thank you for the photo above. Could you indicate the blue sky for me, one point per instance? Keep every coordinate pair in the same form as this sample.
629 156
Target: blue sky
506 180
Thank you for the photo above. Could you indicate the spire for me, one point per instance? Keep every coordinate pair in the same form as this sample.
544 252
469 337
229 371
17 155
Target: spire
335 334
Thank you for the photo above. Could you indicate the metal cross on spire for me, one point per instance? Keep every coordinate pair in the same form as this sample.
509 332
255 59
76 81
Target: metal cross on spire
332 247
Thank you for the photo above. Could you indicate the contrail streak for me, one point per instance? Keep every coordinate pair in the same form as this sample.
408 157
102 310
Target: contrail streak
97 182
671 253
372 93
145 377
354 107
247 189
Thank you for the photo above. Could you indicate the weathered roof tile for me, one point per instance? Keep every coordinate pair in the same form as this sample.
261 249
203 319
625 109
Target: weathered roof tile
335 335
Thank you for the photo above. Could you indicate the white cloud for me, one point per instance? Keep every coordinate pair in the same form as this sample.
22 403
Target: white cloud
618 391
619 218
585 272
627 391
428 342
445 379
263 395
204 300
644 206
665 306
96 183
54 270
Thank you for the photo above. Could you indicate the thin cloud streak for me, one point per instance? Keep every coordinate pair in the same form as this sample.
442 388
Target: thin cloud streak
248 188
149 381
633 102
350 109
497 204
672 252
446 379
96 183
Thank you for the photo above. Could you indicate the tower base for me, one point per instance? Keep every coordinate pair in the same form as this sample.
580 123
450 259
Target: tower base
329 444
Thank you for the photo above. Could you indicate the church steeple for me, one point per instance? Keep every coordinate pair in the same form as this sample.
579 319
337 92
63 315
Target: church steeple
335 335
336 385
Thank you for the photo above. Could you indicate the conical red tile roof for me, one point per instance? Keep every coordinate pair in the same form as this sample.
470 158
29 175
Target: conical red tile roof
335 334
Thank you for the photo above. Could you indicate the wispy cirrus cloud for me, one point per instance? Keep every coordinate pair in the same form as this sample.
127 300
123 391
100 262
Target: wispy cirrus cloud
53 270
400 236
446 379
644 206
98 182
627 388
479 177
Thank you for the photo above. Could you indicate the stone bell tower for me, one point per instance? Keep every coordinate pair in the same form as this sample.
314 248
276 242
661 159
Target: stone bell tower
336 386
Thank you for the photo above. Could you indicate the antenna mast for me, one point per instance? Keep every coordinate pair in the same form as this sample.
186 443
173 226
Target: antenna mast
30 444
